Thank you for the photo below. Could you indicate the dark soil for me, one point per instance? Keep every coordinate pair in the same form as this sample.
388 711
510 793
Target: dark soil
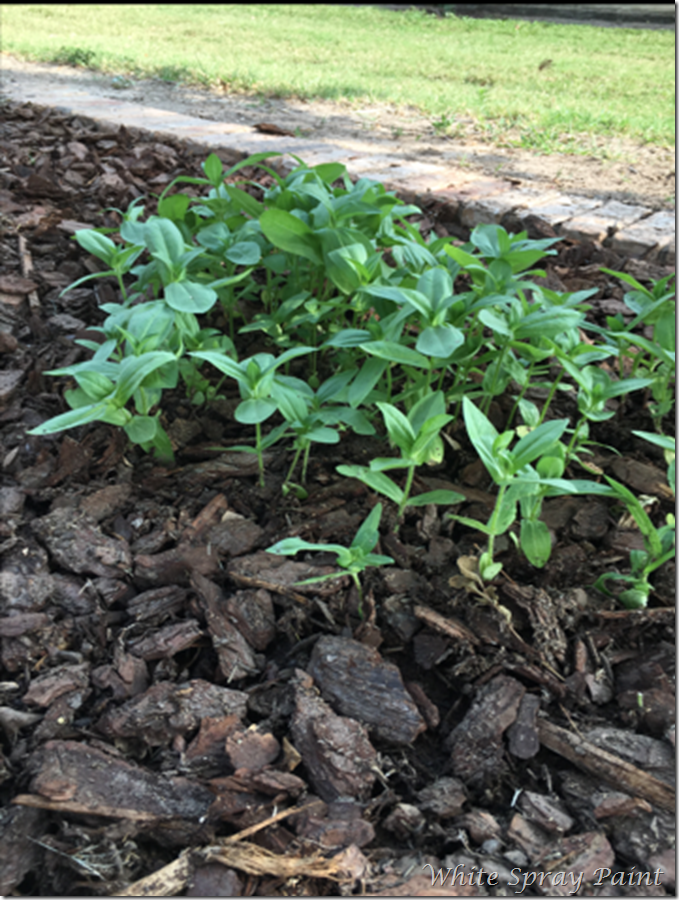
165 685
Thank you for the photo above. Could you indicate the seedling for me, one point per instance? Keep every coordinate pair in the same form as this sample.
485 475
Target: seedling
509 254
659 544
256 378
655 307
354 559
596 387
659 366
104 389
515 479
314 418
417 436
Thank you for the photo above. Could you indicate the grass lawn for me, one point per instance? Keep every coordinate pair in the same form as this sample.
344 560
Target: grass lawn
600 81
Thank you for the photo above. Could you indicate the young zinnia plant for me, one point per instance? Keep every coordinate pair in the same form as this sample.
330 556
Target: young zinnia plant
417 436
355 558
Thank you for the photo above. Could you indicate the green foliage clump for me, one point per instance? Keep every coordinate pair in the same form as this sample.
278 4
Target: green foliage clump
366 325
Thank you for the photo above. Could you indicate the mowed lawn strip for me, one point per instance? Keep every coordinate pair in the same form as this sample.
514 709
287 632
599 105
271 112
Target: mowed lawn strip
544 86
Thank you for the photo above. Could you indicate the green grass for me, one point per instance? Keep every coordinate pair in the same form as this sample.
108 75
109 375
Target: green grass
602 82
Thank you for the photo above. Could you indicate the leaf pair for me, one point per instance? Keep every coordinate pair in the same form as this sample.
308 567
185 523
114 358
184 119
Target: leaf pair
417 436
354 558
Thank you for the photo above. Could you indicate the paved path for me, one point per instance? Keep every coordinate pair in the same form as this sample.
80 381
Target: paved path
471 197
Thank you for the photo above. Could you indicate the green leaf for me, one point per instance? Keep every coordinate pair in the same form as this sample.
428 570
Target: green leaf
291 405
431 404
256 159
529 412
348 337
399 428
657 350
344 275
399 295
189 297
428 446
213 169
323 435
537 442
440 341
626 386
292 353
290 234
243 201
293 545
394 352
141 429
71 419
489 570
133 371
368 534
375 480
443 498
495 322
386 463
221 361
164 240
660 440
436 284
634 598
97 244
254 410
641 517
464 259
229 280
482 434
370 373
96 385
329 172
377 559
491 240
244 253
628 279
547 324
506 514
550 467
535 542
173 207
471 523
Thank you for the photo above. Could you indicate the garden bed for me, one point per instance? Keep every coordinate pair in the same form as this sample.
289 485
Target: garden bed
175 702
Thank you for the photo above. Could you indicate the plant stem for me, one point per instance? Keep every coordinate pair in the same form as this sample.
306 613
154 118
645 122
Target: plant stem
493 519
291 470
406 490
573 440
357 582
305 461
491 393
550 397
121 286
260 455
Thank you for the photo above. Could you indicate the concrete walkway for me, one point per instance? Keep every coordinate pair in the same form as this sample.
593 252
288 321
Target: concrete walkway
470 197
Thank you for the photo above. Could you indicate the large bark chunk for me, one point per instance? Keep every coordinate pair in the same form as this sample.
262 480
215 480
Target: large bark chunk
236 657
359 683
77 773
336 751
76 542
477 741
167 710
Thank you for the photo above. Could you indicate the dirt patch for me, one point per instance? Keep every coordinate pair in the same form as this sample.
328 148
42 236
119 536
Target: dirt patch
179 716
627 171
